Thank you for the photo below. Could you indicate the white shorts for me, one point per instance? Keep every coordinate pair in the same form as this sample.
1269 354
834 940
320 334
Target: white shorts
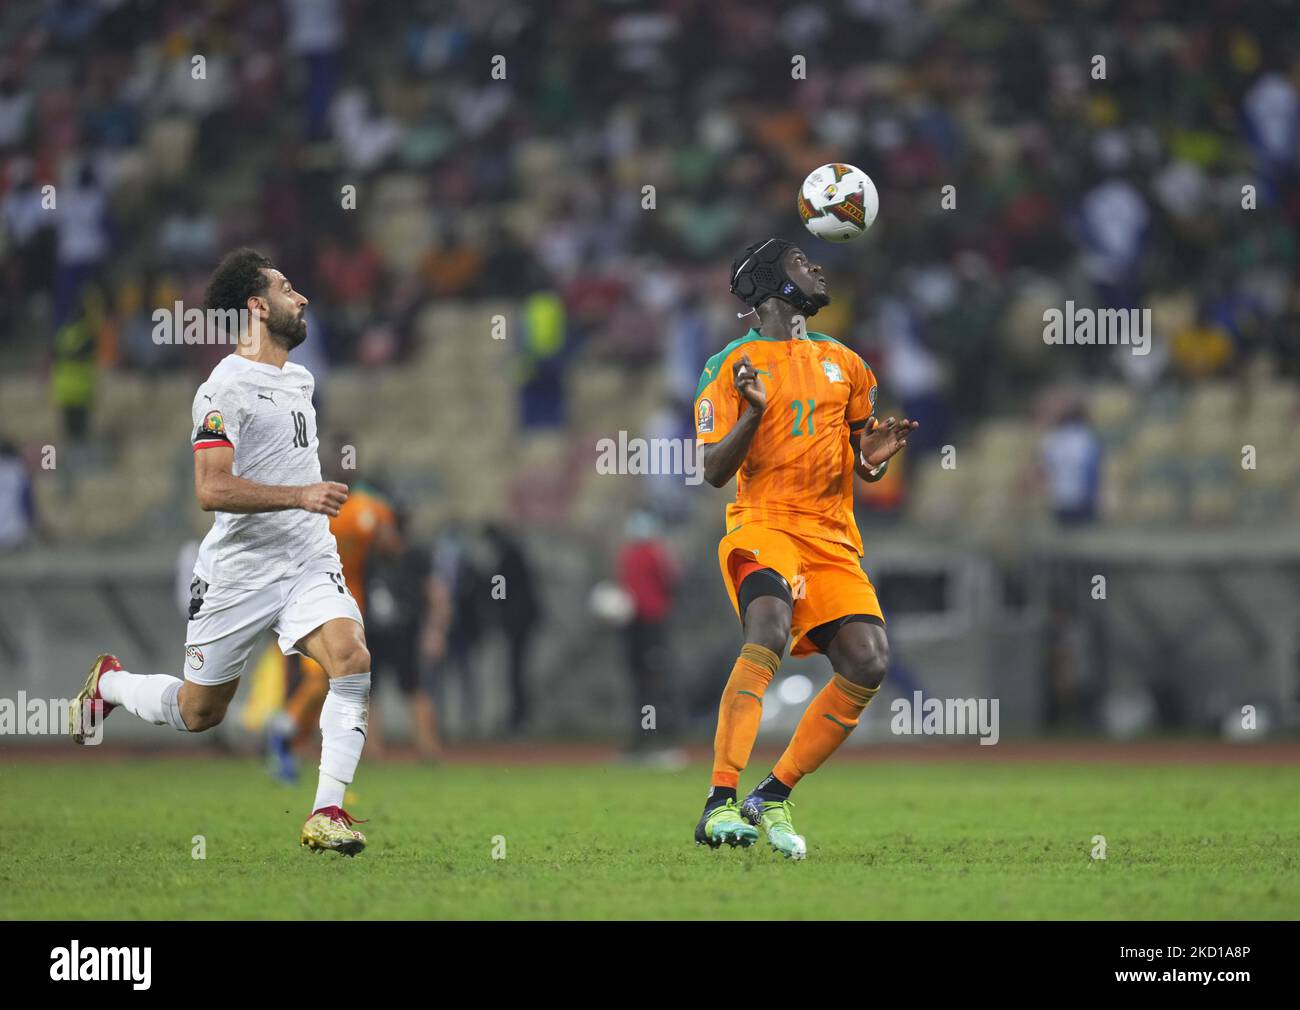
225 624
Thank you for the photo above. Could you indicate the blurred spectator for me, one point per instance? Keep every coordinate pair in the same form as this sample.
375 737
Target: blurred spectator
517 611
457 592
136 329
15 111
1070 456
366 140
1070 694
1202 350
542 386
1114 219
1272 114
28 225
70 22
912 375
81 221
396 588
188 237
72 377
451 266
17 507
649 576
672 495
316 35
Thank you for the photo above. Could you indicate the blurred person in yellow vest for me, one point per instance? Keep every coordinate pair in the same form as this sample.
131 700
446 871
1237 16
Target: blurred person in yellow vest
72 377
1202 350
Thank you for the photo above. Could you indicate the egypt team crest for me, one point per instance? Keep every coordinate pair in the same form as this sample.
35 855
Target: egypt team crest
832 371
211 432
704 417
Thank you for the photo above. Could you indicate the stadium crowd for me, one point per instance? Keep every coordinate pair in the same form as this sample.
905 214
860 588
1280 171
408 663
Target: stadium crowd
1101 156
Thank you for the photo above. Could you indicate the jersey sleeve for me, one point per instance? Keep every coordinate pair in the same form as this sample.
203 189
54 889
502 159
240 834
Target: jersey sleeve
862 397
717 404
214 419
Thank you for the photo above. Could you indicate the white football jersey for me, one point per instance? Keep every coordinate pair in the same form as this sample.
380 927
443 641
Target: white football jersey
265 414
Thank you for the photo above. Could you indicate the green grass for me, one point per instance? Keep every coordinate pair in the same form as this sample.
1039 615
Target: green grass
889 840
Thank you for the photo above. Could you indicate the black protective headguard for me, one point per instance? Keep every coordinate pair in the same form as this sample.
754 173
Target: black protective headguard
758 275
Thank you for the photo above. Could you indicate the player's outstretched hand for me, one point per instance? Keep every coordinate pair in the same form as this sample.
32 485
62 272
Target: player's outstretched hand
326 498
749 385
884 439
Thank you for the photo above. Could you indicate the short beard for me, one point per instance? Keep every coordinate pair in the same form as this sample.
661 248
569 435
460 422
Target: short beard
287 330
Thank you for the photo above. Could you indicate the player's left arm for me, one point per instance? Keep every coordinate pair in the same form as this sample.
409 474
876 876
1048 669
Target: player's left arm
874 442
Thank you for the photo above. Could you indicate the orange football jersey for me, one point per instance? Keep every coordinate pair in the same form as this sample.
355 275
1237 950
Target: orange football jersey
355 528
798 474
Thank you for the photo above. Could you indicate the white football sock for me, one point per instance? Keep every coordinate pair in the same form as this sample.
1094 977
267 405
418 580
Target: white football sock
329 792
153 697
343 720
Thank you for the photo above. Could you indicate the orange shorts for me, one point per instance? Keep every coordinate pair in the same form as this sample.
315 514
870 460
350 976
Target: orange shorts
826 578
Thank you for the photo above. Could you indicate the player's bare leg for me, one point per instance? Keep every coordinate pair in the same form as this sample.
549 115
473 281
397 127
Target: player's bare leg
339 646
204 706
859 655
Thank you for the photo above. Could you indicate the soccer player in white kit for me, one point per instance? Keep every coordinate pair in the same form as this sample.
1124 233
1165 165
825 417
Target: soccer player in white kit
269 561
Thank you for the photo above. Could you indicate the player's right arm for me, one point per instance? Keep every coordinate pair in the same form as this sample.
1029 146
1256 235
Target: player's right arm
219 490
723 458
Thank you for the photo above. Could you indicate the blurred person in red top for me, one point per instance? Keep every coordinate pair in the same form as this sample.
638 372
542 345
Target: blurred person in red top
648 574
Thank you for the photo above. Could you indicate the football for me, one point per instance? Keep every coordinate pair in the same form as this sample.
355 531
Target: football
838 202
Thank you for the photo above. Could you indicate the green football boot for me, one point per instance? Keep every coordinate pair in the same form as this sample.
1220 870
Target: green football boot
774 818
724 824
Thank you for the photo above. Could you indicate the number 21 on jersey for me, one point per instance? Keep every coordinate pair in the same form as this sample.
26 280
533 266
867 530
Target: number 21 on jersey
803 416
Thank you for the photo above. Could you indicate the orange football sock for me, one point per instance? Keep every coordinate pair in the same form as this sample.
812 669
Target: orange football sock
740 712
826 723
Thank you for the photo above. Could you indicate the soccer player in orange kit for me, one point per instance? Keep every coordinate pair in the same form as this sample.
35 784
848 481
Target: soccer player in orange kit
791 413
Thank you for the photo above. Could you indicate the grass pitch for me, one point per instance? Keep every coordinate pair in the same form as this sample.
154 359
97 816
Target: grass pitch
114 840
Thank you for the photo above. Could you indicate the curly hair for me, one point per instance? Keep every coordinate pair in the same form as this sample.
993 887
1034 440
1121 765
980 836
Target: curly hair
237 278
